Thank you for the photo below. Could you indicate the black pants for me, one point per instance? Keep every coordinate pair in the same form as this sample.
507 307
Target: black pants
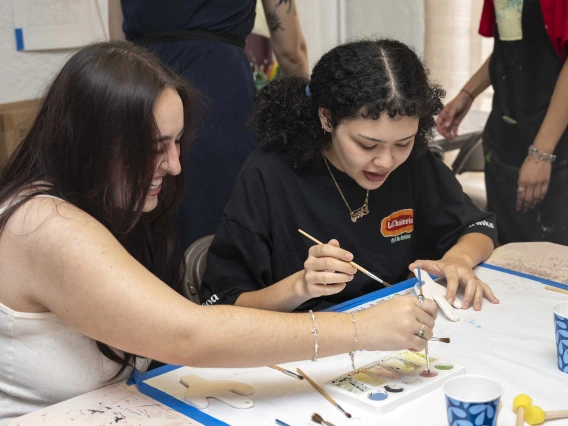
548 221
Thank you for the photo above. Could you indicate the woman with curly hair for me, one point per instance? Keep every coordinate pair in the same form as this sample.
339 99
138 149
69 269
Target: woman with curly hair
345 156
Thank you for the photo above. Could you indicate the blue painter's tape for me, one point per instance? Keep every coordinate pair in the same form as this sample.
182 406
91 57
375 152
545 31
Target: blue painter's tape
153 373
404 285
410 283
19 39
166 399
521 274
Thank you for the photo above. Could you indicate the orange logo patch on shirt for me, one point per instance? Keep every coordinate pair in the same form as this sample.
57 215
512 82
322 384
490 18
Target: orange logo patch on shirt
397 223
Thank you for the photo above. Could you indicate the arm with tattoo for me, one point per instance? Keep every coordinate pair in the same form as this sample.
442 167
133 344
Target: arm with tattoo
286 36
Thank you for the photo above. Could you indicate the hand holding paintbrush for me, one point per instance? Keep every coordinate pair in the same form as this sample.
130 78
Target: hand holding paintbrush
401 318
356 266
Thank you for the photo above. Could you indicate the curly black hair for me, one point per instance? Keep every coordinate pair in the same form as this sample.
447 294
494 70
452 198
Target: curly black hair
362 78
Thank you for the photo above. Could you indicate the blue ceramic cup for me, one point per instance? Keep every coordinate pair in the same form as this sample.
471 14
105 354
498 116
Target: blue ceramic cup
472 400
560 311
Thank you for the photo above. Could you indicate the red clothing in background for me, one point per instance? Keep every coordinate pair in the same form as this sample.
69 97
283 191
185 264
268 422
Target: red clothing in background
554 13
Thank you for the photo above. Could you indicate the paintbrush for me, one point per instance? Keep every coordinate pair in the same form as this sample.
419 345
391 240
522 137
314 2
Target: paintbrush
556 289
356 266
319 419
421 299
288 372
324 393
440 339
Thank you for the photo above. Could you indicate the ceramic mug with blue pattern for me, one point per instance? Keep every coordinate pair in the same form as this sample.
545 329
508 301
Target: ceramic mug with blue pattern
472 400
560 311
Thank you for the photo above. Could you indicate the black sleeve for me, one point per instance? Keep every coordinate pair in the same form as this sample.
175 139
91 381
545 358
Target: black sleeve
239 258
444 213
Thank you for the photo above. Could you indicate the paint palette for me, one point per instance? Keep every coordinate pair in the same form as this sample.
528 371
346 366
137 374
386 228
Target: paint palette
392 381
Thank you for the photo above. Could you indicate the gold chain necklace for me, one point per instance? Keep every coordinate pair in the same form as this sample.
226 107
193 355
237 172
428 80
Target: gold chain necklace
355 214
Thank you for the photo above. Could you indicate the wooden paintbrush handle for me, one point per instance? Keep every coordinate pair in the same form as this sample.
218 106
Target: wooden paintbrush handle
288 372
559 414
556 289
520 417
316 387
359 267
305 234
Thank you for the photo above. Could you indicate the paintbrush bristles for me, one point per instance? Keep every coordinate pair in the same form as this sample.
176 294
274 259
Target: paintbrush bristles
288 372
440 339
317 418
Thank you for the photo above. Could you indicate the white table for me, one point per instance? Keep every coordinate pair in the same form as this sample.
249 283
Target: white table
512 342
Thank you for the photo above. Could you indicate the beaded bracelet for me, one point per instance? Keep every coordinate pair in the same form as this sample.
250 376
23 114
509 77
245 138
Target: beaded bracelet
352 354
315 333
541 156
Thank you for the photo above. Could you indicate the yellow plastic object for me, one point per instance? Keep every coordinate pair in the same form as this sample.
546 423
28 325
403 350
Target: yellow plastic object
534 415
273 71
522 400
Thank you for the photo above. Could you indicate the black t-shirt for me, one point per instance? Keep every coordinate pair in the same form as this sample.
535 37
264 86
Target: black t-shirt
419 212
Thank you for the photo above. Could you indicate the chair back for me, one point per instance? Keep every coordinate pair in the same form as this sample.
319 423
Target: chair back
470 157
195 259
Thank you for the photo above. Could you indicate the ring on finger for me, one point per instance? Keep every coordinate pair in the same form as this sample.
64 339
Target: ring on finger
520 190
422 332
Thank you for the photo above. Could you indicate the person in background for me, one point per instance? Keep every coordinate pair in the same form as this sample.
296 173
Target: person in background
347 161
203 41
525 139
89 258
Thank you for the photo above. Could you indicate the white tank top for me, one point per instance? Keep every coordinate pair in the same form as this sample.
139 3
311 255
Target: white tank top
43 362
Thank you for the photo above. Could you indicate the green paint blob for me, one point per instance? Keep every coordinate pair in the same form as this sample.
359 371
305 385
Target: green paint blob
444 366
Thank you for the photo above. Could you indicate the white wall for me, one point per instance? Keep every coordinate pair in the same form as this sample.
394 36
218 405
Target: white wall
24 75
402 20
320 24
327 23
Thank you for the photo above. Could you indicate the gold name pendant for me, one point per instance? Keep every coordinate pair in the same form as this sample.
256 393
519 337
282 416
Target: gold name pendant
355 214
359 213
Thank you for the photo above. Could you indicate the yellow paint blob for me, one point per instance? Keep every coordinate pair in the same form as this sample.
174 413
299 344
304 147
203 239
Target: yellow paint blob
534 415
400 364
415 357
379 370
369 379
521 400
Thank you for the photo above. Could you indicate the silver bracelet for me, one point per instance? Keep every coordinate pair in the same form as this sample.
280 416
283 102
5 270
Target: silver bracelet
352 354
541 156
315 333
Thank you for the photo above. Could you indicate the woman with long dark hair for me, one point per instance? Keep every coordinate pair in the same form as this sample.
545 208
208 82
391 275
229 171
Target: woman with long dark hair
345 156
86 247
